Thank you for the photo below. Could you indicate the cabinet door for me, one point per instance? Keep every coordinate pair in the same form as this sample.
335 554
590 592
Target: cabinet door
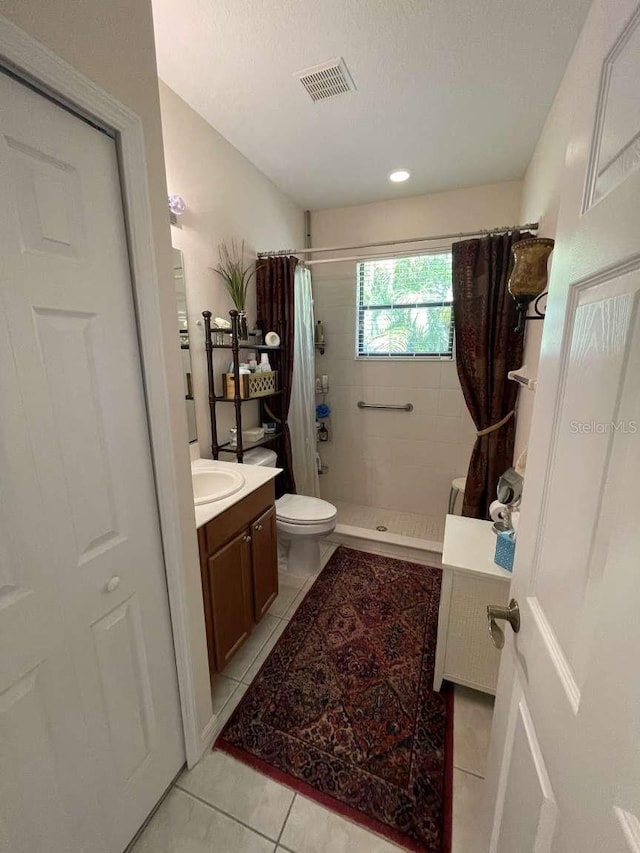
264 553
229 571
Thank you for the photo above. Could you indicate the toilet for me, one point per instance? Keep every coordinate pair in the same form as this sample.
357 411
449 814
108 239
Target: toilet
301 522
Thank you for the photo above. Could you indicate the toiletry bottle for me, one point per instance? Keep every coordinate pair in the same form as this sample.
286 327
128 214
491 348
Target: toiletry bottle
319 333
323 433
318 385
325 383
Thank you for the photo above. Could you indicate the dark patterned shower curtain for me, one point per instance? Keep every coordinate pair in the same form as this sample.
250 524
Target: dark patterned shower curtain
274 290
487 347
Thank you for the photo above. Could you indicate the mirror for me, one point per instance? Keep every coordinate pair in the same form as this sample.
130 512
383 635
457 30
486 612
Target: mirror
183 329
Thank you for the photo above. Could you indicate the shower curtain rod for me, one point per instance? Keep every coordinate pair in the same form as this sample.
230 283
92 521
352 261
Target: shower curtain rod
371 256
481 232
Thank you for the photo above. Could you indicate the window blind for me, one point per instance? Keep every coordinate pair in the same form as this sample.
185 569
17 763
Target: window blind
405 307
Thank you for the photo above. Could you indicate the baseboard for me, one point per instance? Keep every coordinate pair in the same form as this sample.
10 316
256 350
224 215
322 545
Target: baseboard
207 737
388 544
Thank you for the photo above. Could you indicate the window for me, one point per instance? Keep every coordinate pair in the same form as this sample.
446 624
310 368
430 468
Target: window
405 307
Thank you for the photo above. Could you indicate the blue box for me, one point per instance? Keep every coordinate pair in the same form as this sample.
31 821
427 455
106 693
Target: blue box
505 550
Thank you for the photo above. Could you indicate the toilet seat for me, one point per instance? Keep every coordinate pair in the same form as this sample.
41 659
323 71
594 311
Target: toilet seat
303 510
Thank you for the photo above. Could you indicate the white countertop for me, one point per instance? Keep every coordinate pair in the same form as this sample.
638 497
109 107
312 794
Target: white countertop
469 546
254 477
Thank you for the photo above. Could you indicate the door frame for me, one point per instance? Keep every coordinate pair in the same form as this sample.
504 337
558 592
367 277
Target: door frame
37 66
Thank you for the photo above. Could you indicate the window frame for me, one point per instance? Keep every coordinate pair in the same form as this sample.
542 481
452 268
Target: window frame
402 356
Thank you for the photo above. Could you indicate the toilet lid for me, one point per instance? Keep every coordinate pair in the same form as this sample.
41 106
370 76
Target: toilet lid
300 509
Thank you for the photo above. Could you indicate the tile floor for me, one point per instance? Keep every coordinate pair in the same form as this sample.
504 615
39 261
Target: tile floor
223 806
402 523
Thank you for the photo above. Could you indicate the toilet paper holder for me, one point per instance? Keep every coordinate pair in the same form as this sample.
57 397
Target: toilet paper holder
521 378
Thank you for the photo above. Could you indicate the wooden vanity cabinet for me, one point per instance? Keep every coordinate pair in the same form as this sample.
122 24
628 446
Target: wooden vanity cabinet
239 568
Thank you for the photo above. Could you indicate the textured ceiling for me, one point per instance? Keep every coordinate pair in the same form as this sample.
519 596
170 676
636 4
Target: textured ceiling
455 90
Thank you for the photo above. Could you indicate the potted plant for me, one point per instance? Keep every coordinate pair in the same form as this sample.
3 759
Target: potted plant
236 276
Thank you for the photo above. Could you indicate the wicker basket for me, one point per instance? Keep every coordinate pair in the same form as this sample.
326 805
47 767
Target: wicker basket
251 385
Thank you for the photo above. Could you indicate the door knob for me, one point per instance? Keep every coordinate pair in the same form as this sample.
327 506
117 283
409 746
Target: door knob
113 583
511 614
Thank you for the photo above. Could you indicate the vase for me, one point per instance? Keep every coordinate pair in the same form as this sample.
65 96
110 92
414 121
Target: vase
528 278
243 328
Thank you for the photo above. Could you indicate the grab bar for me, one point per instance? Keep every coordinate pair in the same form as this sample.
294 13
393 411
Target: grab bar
403 407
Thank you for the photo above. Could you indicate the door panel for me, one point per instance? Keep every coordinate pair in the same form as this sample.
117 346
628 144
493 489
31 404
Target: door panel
38 759
630 830
615 150
119 644
526 797
264 555
49 208
67 341
566 570
80 556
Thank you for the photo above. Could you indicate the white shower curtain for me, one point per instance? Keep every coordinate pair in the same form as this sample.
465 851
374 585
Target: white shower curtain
302 407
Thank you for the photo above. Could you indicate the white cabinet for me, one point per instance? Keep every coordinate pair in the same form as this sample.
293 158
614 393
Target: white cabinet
470 581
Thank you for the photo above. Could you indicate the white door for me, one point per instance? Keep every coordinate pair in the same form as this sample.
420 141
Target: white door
90 731
564 768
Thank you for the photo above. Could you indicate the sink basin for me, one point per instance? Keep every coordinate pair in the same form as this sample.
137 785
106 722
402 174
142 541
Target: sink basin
209 486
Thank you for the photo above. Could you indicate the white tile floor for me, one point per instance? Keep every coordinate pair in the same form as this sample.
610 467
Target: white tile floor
223 806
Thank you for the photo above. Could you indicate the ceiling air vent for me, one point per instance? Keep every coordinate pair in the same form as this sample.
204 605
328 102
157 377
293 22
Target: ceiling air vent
326 80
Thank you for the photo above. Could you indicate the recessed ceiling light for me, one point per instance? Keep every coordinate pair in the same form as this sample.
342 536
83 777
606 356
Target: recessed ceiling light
399 175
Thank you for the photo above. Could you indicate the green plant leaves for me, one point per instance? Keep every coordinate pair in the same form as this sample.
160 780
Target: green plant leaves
232 270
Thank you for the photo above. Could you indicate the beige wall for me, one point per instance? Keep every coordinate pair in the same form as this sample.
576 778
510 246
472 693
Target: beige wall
112 44
540 202
226 197
393 460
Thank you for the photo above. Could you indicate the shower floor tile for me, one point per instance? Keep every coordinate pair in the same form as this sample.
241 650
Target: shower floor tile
401 523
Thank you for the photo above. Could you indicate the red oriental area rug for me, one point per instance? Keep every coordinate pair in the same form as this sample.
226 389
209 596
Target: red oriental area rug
343 708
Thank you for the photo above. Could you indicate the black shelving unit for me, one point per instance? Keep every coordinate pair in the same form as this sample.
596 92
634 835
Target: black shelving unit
235 346
254 347
248 399
226 446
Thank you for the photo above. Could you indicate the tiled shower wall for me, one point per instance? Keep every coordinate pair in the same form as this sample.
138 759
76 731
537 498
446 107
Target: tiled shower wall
393 460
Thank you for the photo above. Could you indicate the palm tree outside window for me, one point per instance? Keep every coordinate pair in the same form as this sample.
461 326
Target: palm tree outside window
405 307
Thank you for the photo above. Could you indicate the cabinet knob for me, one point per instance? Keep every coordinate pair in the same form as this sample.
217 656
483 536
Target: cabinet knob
258 527
112 584
247 538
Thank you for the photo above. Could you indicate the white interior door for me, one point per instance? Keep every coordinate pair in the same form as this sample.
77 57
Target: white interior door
90 732
564 769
